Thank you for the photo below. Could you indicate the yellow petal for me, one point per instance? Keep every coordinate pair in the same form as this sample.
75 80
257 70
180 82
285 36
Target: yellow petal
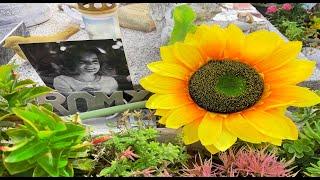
163 85
293 135
170 70
274 141
302 69
215 42
241 128
167 101
190 132
161 112
234 43
298 96
167 54
212 149
210 129
270 103
163 119
273 125
184 115
188 55
225 140
164 113
194 39
281 56
260 44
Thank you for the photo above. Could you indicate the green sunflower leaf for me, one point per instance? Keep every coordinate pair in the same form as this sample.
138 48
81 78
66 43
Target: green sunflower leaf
184 18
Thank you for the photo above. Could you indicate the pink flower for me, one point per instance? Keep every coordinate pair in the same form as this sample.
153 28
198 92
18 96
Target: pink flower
128 154
4 148
287 6
147 172
100 139
272 9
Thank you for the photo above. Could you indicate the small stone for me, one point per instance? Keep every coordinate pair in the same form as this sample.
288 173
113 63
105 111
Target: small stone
136 16
314 55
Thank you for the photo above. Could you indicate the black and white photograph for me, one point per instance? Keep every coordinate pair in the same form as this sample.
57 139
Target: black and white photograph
77 66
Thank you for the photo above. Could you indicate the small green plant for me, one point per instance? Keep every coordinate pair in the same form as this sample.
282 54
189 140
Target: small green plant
292 30
297 14
306 148
313 170
14 93
44 144
136 152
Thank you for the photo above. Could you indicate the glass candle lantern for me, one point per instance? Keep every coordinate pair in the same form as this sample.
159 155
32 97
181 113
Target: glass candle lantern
100 19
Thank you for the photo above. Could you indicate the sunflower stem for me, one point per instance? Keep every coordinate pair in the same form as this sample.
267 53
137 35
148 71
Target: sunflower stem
112 110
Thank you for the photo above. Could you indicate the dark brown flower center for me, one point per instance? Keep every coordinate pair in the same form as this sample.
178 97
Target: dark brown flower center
226 86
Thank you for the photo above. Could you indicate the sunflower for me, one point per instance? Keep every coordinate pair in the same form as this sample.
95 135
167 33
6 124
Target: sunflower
220 84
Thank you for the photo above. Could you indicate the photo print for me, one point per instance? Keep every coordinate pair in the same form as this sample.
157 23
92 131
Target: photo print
81 66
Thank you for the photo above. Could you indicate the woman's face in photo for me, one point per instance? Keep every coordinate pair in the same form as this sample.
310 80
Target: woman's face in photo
89 63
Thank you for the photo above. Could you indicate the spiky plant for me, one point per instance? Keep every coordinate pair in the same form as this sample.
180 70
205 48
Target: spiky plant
253 162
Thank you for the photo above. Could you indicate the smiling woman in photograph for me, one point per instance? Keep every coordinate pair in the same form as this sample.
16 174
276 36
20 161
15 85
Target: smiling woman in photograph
86 76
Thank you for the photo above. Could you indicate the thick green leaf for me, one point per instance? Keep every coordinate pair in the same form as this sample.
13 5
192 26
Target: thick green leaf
19 145
39 172
33 148
22 97
47 163
73 131
80 150
67 171
80 154
27 117
19 134
44 119
24 83
84 164
3 103
38 91
63 161
62 144
6 72
48 106
1 169
184 17
45 135
59 123
4 115
16 99
15 168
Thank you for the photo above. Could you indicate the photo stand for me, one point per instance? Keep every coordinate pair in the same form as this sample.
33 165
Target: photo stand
64 66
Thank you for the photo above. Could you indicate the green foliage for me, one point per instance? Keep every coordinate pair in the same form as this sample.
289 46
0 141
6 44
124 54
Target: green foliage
14 93
151 154
45 143
298 24
297 14
292 30
184 18
305 149
313 170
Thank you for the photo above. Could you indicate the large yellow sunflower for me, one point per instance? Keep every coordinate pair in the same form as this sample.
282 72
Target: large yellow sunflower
220 85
